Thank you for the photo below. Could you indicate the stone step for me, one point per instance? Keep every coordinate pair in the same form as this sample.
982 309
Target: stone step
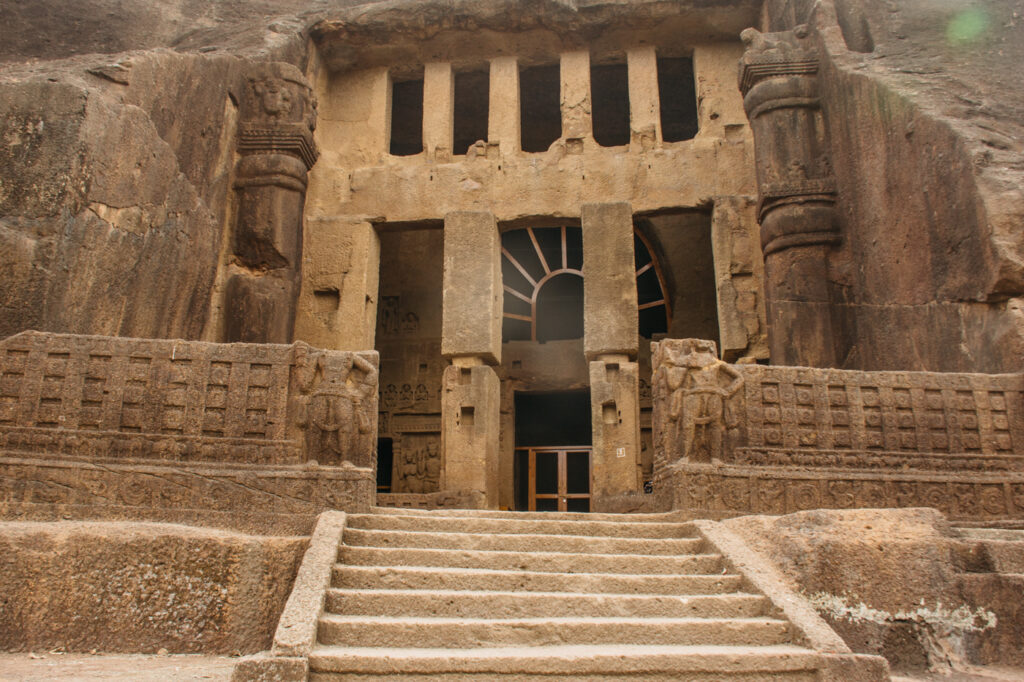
470 604
426 578
555 562
623 662
471 524
466 633
521 542
678 516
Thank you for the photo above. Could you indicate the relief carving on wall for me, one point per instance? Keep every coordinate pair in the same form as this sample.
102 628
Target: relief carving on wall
418 468
338 412
696 401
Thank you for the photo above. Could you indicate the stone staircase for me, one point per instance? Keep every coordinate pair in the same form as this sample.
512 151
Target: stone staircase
486 595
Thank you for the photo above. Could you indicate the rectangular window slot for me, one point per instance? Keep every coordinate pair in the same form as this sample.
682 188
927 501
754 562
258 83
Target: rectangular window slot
540 108
612 372
678 98
407 117
610 414
326 300
465 376
472 107
466 416
609 93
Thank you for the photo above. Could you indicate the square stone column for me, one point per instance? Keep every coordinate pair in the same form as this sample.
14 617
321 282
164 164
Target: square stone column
473 297
610 321
340 277
471 416
471 339
610 316
615 425
644 101
503 118
438 110
576 102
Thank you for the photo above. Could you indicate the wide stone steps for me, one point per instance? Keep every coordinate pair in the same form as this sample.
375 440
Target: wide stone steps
557 562
532 526
487 595
513 542
625 662
473 604
438 578
465 633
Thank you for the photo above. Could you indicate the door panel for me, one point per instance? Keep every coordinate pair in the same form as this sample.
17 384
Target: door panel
558 478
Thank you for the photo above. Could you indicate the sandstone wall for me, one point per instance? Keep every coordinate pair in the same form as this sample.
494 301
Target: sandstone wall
141 587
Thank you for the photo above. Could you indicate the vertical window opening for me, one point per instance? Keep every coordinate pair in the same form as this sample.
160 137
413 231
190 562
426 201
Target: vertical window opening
678 98
540 110
609 93
472 107
407 117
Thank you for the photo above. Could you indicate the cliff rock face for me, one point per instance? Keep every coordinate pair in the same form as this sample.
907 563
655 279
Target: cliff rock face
118 121
923 113
117 128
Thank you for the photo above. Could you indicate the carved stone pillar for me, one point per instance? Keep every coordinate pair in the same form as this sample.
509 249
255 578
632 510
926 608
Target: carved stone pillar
779 81
471 339
276 148
610 342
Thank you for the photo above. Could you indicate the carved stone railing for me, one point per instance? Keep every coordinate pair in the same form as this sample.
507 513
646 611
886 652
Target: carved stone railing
779 439
91 420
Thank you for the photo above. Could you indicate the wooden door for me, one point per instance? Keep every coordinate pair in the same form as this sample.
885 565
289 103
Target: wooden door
559 478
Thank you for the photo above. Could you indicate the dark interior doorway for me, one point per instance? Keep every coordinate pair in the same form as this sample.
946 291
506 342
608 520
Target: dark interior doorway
552 460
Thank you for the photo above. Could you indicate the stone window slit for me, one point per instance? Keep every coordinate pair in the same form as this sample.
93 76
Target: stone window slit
406 117
609 93
540 107
472 108
678 98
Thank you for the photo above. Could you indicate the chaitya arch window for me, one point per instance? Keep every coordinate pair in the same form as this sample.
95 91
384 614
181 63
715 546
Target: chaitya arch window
542 273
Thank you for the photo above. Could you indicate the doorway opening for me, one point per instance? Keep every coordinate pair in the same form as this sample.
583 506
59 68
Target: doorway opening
552 454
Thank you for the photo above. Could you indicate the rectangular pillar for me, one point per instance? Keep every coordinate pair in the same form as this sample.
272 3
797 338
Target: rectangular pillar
471 339
610 321
610 316
503 120
576 106
644 102
615 425
338 302
438 110
473 297
471 415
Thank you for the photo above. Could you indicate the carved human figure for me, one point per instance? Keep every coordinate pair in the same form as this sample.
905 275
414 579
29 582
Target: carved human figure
274 96
337 412
700 385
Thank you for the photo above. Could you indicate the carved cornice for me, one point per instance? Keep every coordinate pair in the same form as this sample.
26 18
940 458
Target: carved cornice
278 138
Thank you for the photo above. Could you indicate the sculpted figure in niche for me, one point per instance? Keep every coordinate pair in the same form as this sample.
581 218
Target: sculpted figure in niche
335 414
700 386
421 470
389 315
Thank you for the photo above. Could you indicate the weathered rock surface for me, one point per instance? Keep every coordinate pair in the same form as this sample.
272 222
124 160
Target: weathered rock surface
901 583
141 587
